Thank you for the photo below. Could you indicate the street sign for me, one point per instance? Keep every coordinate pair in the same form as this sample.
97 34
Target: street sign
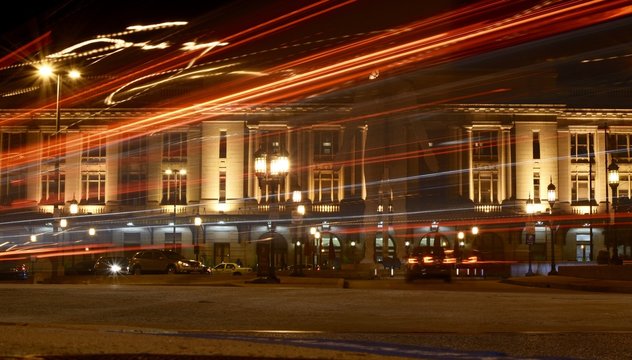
531 228
530 239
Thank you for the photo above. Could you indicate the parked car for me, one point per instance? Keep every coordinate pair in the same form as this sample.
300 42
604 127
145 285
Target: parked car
429 262
83 267
111 265
13 270
230 268
163 261
304 267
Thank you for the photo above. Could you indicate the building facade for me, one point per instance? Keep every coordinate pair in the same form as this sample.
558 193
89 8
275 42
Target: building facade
373 187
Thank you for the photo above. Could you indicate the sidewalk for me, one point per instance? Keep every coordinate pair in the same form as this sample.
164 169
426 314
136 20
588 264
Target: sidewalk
573 283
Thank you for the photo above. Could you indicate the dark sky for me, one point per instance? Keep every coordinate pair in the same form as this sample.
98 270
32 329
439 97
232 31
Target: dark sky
85 18
73 21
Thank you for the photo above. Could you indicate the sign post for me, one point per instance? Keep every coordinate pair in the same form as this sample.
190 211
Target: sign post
530 240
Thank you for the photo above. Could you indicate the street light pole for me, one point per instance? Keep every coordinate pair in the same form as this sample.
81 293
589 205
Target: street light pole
613 181
177 192
47 71
297 221
530 236
551 195
271 170
196 247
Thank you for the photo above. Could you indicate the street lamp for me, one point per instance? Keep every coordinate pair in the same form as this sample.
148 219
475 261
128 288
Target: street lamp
530 236
613 181
318 244
196 248
46 71
551 196
461 237
297 221
271 170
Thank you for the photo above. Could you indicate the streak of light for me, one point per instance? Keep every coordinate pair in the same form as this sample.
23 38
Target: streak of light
138 28
109 99
23 51
330 75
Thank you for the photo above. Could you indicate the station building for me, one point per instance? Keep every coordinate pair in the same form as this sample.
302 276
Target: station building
374 183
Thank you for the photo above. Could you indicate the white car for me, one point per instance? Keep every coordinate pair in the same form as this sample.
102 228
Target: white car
230 268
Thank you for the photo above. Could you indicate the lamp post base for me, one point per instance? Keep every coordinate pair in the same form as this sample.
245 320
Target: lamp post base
529 273
553 272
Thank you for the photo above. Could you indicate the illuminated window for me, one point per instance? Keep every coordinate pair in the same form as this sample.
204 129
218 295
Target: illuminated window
379 244
53 185
619 145
325 144
93 169
174 187
582 146
485 145
13 174
624 190
485 185
174 146
222 186
93 187
93 149
222 144
579 185
326 185
133 171
536 145
536 184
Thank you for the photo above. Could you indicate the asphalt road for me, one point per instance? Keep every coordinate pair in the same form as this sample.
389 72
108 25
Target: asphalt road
370 319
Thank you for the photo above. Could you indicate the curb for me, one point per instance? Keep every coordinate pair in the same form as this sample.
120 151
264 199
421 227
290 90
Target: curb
576 284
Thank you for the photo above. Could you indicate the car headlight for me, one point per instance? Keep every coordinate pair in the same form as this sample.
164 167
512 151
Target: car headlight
115 268
185 264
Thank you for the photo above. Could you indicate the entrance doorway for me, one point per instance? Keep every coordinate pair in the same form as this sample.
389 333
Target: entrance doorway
222 253
583 251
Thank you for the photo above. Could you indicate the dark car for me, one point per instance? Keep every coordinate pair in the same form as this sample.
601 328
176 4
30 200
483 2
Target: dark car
83 267
13 270
429 262
163 261
111 265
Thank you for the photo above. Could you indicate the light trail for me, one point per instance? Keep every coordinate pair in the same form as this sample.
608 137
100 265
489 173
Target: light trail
347 70
24 51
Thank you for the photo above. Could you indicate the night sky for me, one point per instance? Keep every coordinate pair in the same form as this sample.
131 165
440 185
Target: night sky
595 55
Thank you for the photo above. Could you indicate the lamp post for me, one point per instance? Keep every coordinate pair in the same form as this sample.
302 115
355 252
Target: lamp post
297 221
530 233
613 181
46 71
318 244
197 221
461 237
271 170
177 192
353 251
551 196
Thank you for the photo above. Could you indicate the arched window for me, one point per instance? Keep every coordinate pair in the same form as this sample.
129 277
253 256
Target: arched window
379 247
